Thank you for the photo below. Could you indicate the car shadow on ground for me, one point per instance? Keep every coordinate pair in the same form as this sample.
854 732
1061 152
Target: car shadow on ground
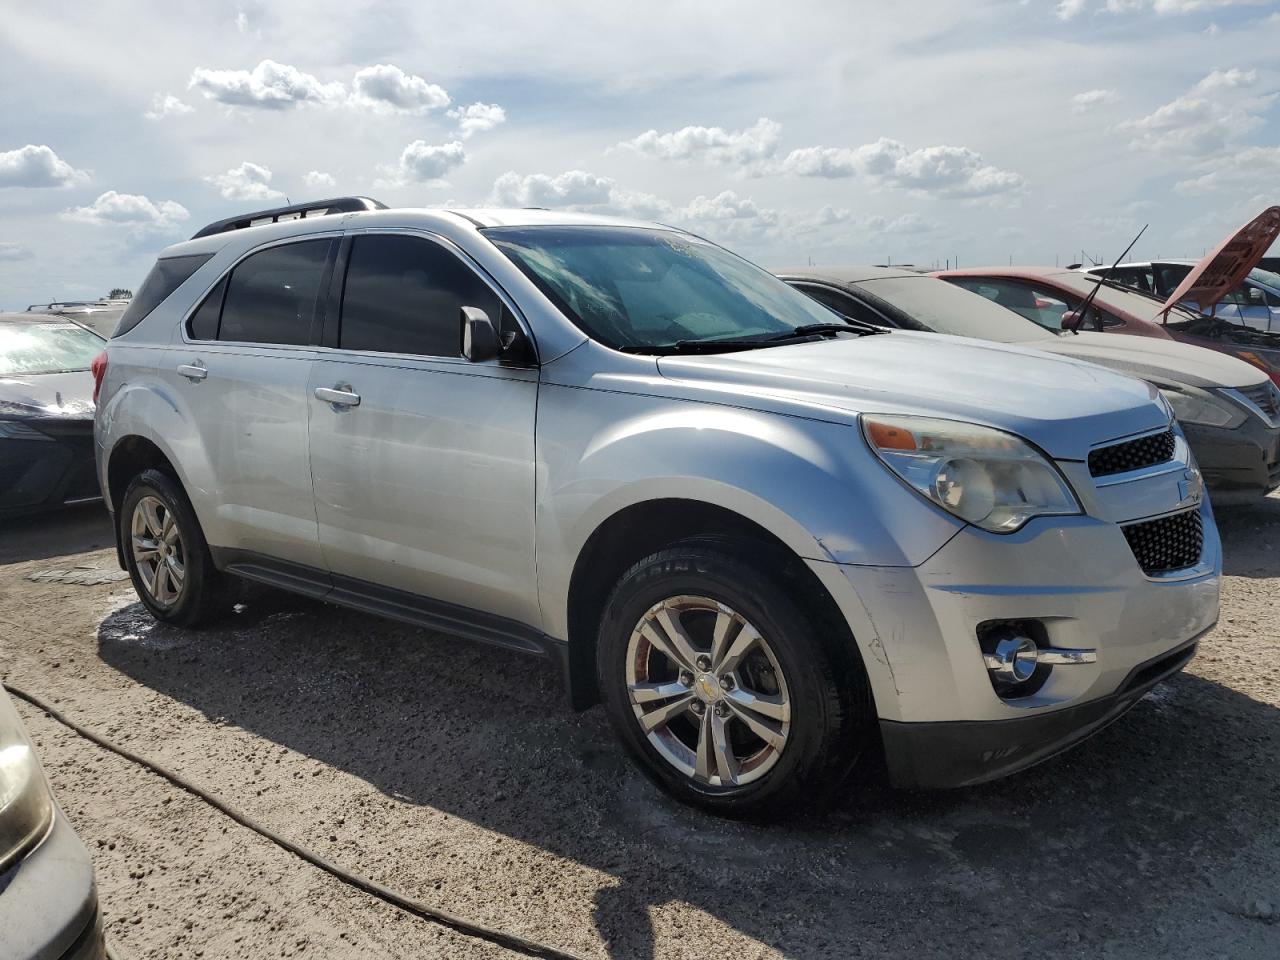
1096 841
1241 525
62 533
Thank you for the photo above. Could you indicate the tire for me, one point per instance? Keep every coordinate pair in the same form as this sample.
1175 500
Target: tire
203 594
818 709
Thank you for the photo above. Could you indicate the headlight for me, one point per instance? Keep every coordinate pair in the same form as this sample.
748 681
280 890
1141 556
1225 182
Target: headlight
1192 405
987 477
25 803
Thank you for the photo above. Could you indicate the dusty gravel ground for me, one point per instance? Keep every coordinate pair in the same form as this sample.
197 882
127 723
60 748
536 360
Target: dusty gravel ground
454 773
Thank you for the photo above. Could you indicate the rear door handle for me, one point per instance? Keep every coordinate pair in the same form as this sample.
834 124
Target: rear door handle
338 397
193 371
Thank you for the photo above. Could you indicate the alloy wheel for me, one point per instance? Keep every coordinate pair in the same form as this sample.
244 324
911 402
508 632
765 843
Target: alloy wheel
707 691
158 551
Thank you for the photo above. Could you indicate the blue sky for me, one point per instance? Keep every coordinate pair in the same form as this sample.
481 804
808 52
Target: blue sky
831 132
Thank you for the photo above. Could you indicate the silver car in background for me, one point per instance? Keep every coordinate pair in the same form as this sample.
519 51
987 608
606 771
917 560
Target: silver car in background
770 541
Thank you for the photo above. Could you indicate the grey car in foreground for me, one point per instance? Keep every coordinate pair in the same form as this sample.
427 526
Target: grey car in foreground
771 542
1228 409
48 901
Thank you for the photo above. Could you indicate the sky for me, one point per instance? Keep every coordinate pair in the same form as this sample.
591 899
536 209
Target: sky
926 131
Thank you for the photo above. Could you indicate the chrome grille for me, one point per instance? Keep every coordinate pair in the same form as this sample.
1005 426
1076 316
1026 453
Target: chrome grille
1132 454
1168 543
1265 397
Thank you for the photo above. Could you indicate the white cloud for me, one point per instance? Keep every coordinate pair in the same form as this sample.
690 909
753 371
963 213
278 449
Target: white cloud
1210 118
249 181
422 162
167 105
1069 9
37 166
941 170
14 251
317 179
574 188
1082 102
387 88
756 143
1243 168
907 223
129 209
477 118
1177 6
269 85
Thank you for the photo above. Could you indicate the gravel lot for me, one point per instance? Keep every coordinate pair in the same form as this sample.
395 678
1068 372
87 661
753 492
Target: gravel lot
454 773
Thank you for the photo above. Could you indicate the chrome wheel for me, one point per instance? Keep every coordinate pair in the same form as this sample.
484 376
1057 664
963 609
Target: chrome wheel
158 551
707 691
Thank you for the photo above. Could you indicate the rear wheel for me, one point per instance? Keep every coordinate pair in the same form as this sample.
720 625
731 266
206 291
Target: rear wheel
166 553
729 697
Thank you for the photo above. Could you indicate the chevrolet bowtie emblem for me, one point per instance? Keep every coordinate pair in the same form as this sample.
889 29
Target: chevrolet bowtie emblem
1190 488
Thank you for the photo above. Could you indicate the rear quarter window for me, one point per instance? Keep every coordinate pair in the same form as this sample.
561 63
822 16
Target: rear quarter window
166 276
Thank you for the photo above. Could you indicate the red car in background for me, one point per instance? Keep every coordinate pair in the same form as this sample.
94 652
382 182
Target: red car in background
1046 295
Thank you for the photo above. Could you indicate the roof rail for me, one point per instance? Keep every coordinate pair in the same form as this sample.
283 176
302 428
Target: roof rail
317 208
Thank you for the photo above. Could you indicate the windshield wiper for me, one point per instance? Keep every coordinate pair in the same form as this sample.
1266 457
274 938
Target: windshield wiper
734 344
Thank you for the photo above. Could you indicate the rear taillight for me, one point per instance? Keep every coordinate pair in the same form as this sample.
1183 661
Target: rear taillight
99 370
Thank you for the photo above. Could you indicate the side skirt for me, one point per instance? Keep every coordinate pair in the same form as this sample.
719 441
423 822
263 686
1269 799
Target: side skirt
394 604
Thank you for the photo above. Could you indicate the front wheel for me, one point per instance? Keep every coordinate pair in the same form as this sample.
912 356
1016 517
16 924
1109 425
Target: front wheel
725 693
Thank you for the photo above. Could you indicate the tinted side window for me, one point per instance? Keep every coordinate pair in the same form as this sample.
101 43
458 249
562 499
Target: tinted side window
166 276
271 296
203 324
842 304
405 294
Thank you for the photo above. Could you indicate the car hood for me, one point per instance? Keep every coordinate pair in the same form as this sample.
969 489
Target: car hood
1165 361
47 395
1225 266
1062 405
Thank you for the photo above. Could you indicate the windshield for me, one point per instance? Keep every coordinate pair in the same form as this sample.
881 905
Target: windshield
27 348
644 290
944 308
1266 276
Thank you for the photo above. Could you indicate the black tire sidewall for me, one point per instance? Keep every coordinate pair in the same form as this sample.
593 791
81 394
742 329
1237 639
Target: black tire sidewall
202 592
819 708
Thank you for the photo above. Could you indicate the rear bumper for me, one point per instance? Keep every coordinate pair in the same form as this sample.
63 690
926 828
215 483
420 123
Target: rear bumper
48 902
1243 463
961 753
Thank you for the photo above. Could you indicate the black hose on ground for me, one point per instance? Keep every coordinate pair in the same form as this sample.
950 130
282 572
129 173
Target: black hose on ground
417 908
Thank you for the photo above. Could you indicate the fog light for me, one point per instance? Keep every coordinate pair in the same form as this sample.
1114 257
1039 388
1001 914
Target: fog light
1014 660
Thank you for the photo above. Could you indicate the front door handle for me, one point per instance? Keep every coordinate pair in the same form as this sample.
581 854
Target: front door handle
193 371
341 396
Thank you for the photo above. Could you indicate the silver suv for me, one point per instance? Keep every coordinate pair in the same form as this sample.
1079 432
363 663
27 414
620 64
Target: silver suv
771 542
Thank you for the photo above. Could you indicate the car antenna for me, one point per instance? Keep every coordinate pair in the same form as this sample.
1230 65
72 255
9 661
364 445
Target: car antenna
1083 310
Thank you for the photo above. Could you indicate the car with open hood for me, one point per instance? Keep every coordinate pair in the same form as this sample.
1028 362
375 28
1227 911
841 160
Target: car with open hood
1229 410
772 542
1254 304
46 413
1040 292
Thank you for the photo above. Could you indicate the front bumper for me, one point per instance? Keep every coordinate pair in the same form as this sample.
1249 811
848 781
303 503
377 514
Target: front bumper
54 467
1243 463
48 902
1076 578
962 753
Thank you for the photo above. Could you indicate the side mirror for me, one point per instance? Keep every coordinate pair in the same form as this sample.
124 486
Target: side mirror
480 341
1256 295
1071 321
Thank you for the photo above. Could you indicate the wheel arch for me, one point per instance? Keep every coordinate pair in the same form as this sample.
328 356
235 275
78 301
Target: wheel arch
635 531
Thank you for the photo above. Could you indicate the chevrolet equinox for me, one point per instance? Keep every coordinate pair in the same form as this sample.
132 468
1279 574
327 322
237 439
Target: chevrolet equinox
773 543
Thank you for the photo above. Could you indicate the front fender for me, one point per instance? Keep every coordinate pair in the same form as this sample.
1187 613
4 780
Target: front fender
813 484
